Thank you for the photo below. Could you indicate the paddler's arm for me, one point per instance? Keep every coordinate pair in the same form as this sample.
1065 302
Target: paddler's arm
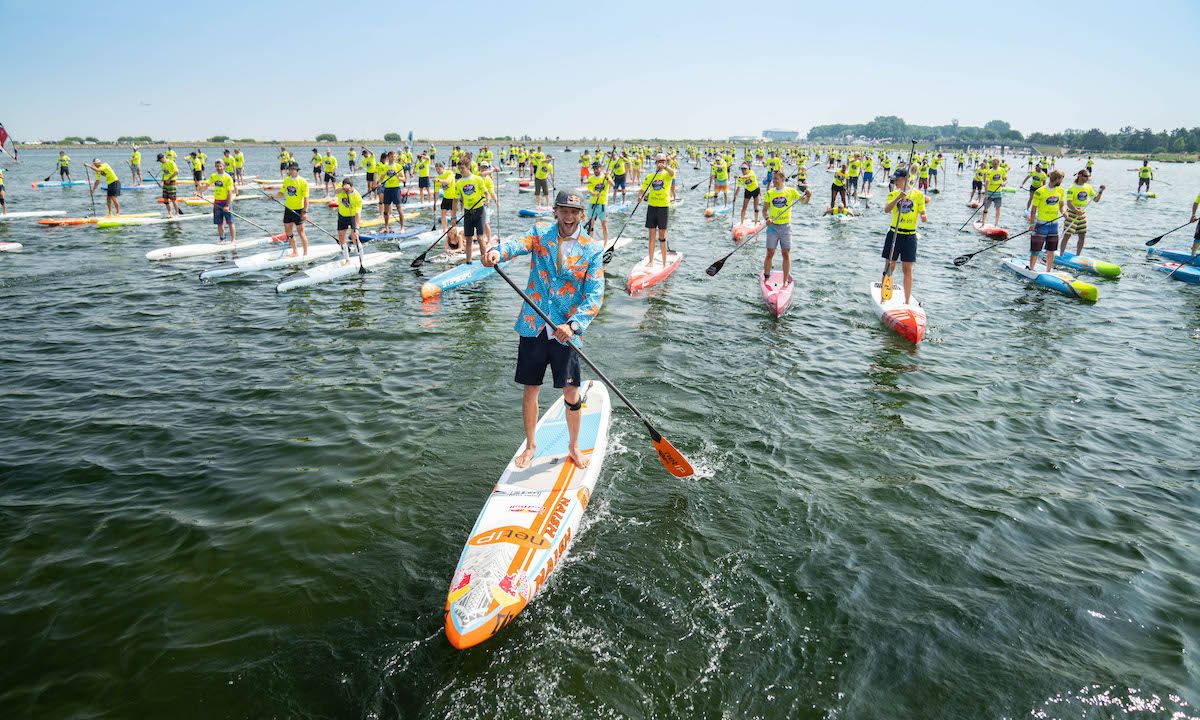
1103 188
510 249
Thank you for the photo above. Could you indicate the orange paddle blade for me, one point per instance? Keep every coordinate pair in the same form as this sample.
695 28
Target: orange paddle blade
672 459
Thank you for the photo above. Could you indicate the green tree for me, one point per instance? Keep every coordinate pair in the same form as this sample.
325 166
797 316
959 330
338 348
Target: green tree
393 137
72 139
327 137
998 125
218 138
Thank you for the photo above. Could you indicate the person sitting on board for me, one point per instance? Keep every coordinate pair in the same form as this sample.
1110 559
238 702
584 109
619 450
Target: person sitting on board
112 194
905 206
566 280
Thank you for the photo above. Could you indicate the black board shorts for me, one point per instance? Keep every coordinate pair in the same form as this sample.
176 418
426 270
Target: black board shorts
113 189
534 354
656 217
907 246
292 216
473 222
347 222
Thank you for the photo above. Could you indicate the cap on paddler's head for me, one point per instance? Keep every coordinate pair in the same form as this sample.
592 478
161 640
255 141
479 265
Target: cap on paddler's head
660 156
596 164
566 199
293 166
901 173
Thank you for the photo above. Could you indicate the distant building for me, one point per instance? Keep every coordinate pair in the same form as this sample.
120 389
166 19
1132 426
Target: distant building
781 135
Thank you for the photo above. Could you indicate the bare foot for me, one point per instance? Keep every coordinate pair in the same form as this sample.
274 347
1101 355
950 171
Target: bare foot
577 458
525 458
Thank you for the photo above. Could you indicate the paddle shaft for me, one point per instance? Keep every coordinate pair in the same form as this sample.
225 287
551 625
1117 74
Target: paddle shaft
603 378
1191 260
964 258
91 190
716 267
210 202
285 207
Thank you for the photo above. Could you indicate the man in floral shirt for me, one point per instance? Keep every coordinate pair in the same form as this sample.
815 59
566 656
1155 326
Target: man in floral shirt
566 280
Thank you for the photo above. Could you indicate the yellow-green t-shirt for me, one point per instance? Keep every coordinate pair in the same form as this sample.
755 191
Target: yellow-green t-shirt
543 170
446 180
1049 203
778 204
472 191
105 171
222 185
995 179
1078 196
392 173
330 164
657 186
598 187
295 192
907 211
135 158
749 180
349 203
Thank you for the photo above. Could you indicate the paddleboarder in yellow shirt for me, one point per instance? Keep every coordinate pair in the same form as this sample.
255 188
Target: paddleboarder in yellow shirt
112 194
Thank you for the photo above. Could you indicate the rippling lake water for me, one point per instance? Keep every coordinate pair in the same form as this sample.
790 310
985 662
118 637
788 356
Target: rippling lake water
219 502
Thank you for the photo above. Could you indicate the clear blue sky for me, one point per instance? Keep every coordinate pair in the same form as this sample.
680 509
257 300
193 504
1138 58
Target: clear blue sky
613 69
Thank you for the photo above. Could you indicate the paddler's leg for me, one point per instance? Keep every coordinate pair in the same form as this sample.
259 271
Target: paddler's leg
604 229
341 240
232 229
571 398
786 254
303 237
529 414
769 260
1051 248
907 267
289 230
662 236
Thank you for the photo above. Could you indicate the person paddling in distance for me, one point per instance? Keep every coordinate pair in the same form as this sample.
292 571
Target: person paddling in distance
838 188
1075 214
977 184
995 177
750 189
566 280
135 166
1047 207
349 205
905 206
318 164
777 205
391 175
112 192
1145 175
543 179
329 167
599 182
295 207
170 174
656 190
64 166
718 181
222 185
473 195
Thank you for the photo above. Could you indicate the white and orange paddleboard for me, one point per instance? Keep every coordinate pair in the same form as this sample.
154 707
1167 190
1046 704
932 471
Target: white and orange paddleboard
527 524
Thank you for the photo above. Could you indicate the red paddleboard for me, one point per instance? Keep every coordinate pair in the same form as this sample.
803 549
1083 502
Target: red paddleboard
742 230
647 273
997 233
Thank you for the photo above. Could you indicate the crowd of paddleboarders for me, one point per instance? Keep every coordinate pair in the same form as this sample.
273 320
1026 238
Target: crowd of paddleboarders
463 193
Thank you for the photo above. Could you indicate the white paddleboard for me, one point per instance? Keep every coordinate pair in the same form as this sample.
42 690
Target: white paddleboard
269 260
326 272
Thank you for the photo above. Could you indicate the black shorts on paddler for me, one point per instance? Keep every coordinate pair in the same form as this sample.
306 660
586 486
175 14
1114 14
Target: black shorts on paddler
113 189
906 246
347 222
292 216
536 353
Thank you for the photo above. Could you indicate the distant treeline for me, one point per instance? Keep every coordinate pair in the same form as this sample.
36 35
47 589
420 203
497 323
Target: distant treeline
890 127
1127 139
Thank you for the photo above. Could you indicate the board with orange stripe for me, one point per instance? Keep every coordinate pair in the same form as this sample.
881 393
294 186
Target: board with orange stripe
527 524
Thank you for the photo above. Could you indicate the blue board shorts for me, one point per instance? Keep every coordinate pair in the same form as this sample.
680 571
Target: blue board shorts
868 176
618 182
598 212
391 195
221 212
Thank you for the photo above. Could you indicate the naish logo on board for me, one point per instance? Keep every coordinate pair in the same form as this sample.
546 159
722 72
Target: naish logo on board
512 534
556 517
